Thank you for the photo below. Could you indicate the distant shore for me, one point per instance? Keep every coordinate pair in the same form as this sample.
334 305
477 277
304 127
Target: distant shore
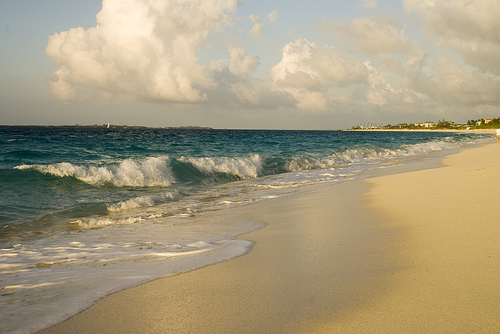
429 130
193 127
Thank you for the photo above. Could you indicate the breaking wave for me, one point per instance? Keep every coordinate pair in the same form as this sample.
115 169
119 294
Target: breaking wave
243 168
153 171
158 171
364 154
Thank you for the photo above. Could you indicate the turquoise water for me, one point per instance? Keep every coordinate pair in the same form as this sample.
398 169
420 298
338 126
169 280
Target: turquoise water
88 211
62 178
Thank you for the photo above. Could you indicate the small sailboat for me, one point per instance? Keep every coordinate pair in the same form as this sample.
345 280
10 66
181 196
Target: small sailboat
107 126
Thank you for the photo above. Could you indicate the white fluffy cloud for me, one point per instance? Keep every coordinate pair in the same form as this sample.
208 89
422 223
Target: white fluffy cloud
147 50
308 72
144 49
380 91
471 28
240 64
451 84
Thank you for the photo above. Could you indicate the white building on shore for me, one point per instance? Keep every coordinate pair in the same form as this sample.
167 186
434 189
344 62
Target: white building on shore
426 124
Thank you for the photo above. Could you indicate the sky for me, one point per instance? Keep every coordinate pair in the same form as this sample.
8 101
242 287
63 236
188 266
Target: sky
273 64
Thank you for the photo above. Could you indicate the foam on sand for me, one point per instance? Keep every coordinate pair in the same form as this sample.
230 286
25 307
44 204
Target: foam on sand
420 258
54 278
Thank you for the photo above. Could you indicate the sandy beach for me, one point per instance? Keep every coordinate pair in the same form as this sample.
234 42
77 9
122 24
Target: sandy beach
415 251
429 130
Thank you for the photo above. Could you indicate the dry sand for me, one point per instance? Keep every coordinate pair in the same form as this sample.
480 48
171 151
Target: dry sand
416 252
449 280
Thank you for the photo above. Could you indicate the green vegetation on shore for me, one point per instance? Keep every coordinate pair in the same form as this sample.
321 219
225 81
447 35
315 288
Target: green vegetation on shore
491 123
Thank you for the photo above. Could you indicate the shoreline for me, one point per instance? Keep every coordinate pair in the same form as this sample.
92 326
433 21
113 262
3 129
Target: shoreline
448 279
336 271
258 292
492 131
202 128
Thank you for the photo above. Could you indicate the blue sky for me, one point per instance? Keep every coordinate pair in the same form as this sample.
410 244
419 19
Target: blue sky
248 64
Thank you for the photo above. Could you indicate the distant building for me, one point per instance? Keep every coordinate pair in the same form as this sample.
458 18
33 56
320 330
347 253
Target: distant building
426 124
488 120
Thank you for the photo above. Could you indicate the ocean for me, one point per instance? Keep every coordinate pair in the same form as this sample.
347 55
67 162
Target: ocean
87 211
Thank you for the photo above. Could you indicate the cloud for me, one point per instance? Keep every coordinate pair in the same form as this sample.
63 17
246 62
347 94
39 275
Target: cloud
451 84
242 91
379 90
308 72
141 49
240 64
369 35
470 28
147 50
273 16
258 26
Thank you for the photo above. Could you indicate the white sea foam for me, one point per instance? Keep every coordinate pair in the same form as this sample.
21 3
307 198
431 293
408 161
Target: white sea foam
309 163
48 280
244 168
350 156
152 171
367 154
140 202
428 147
93 223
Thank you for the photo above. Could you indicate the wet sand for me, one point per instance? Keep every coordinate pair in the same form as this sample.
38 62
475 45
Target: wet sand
414 252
